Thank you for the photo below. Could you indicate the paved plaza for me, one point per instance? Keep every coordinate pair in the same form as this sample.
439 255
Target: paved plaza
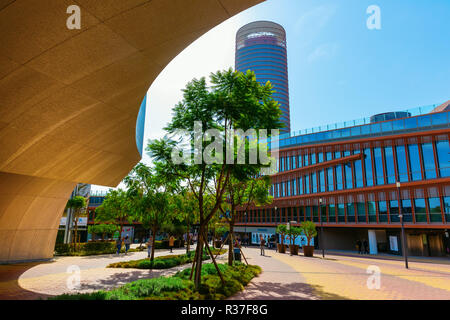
284 277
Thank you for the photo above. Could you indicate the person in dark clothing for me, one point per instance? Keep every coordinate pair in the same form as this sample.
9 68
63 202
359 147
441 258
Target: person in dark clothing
366 246
359 246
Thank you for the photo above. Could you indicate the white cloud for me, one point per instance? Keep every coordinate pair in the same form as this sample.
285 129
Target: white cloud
324 51
308 26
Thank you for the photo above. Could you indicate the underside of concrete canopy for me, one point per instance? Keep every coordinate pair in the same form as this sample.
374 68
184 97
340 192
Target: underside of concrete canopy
69 99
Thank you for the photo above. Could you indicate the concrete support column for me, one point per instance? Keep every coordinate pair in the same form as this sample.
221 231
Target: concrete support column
30 212
373 249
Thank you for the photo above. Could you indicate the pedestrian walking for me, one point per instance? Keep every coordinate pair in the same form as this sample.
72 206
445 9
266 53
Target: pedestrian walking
276 243
118 245
359 246
127 242
366 246
262 243
149 246
171 243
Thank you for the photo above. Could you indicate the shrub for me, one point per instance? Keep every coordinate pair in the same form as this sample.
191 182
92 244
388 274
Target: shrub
163 262
177 287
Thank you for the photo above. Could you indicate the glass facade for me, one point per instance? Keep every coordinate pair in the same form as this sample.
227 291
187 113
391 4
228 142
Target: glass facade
261 48
356 179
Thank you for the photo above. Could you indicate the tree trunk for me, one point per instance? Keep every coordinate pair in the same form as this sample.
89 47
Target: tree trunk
153 243
231 245
75 238
188 240
198 264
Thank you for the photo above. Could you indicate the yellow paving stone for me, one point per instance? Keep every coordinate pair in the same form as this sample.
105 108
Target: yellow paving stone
433 280
330 278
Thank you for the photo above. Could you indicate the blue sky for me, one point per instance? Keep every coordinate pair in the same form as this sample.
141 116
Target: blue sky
339 70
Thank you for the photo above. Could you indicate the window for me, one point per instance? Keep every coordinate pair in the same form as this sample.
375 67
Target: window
361 211
420 210
320 157
337 154
339 182
414 162
348 176
288 164
322 180
447 208
330 182
407 210
288 188
323 213
315 214
332 213
299 161
294 187
301 214
358 172
402 167
350 212
307 184
305 159
329 156
371 211
443 155
313 158
382 211
314 182
308 213
368 167
341 212
300 186
435 209
282 189
393 211
378 166
389 160
428 161
293 162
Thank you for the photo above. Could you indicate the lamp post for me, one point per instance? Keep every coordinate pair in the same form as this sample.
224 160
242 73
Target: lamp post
400 215
245 228
276 225
322 242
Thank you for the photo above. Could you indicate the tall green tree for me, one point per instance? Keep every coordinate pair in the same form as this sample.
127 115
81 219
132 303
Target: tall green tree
233 101
149 195
78 205
115 209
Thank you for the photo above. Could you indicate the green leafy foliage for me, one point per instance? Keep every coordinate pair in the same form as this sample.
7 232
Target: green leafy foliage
89 248
178 287
309 229
163 262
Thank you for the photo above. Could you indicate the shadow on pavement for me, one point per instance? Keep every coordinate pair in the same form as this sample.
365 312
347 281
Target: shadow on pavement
285 291
9 282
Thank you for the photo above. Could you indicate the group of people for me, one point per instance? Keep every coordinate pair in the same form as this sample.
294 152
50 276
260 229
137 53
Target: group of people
362 246
126 241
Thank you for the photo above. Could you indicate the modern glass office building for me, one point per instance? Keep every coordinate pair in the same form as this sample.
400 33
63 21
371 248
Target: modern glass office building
261 47
344 177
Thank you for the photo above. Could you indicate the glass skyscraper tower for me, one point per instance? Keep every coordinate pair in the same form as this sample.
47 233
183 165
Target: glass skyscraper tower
261 47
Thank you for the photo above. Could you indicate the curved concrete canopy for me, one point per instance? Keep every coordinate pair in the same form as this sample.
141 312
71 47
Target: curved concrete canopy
69 99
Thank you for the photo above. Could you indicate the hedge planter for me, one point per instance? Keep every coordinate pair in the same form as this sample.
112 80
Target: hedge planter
281 248
293 249
308 251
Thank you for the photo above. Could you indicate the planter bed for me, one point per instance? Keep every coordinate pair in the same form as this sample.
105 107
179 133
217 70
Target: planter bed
162 262
178 286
